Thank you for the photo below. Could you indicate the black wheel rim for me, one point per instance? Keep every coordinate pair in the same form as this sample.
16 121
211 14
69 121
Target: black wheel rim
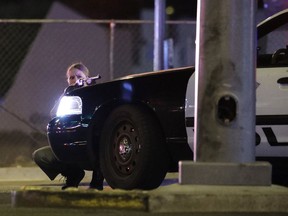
125 148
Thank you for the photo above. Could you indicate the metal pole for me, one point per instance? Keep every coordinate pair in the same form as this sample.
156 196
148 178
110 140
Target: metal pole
159 32
111 52
224 141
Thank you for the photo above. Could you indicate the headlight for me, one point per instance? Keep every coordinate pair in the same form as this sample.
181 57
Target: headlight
69 105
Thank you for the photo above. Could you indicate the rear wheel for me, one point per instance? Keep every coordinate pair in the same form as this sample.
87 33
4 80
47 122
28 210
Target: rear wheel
132 150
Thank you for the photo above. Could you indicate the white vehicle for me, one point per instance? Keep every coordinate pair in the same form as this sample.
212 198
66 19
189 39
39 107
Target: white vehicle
271 95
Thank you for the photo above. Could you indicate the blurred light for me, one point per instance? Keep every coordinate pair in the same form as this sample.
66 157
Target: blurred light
127 86
170 10
274 6
127 91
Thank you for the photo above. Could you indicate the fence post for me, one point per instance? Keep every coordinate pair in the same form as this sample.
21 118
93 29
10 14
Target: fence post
224 144
111 51
159 32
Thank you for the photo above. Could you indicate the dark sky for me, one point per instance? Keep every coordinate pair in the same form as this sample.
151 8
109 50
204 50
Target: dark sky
110 9
104 9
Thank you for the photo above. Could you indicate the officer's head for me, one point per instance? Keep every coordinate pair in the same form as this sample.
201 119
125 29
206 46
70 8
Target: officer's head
76 72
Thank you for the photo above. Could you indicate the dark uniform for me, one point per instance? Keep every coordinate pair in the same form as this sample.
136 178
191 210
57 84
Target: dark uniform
51 166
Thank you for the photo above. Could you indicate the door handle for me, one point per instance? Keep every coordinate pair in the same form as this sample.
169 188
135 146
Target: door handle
283 81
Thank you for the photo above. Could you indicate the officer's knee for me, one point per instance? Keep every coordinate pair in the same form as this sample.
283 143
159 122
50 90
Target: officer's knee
35 156
40 154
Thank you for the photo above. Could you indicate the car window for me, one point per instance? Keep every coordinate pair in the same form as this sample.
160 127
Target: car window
272 49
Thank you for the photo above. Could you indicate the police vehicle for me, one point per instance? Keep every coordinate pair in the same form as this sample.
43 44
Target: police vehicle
138 127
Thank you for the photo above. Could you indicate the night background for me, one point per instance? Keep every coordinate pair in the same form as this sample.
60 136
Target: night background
91 9
34 56
108 9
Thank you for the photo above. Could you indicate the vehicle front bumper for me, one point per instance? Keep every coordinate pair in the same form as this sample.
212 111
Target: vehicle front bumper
67 137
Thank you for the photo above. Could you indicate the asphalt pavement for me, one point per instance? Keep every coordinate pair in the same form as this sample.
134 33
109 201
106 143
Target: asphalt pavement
29 187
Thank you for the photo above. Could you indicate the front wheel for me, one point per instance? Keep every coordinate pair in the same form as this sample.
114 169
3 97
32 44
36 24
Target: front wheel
132 150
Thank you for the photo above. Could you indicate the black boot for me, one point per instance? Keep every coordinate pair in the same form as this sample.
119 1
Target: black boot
73 178
97 180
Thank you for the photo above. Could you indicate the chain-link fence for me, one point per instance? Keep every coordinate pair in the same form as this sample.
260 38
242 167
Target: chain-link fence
36 53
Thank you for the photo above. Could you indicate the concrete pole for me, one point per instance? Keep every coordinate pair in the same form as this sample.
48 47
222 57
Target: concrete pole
159 34
224 142
225 80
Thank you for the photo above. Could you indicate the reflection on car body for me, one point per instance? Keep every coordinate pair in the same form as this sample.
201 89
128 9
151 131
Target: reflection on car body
139 126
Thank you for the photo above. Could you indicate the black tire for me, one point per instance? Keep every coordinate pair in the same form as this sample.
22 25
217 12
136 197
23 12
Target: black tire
132 150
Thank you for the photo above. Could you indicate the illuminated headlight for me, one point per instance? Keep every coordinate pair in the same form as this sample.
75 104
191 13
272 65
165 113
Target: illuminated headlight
69 105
